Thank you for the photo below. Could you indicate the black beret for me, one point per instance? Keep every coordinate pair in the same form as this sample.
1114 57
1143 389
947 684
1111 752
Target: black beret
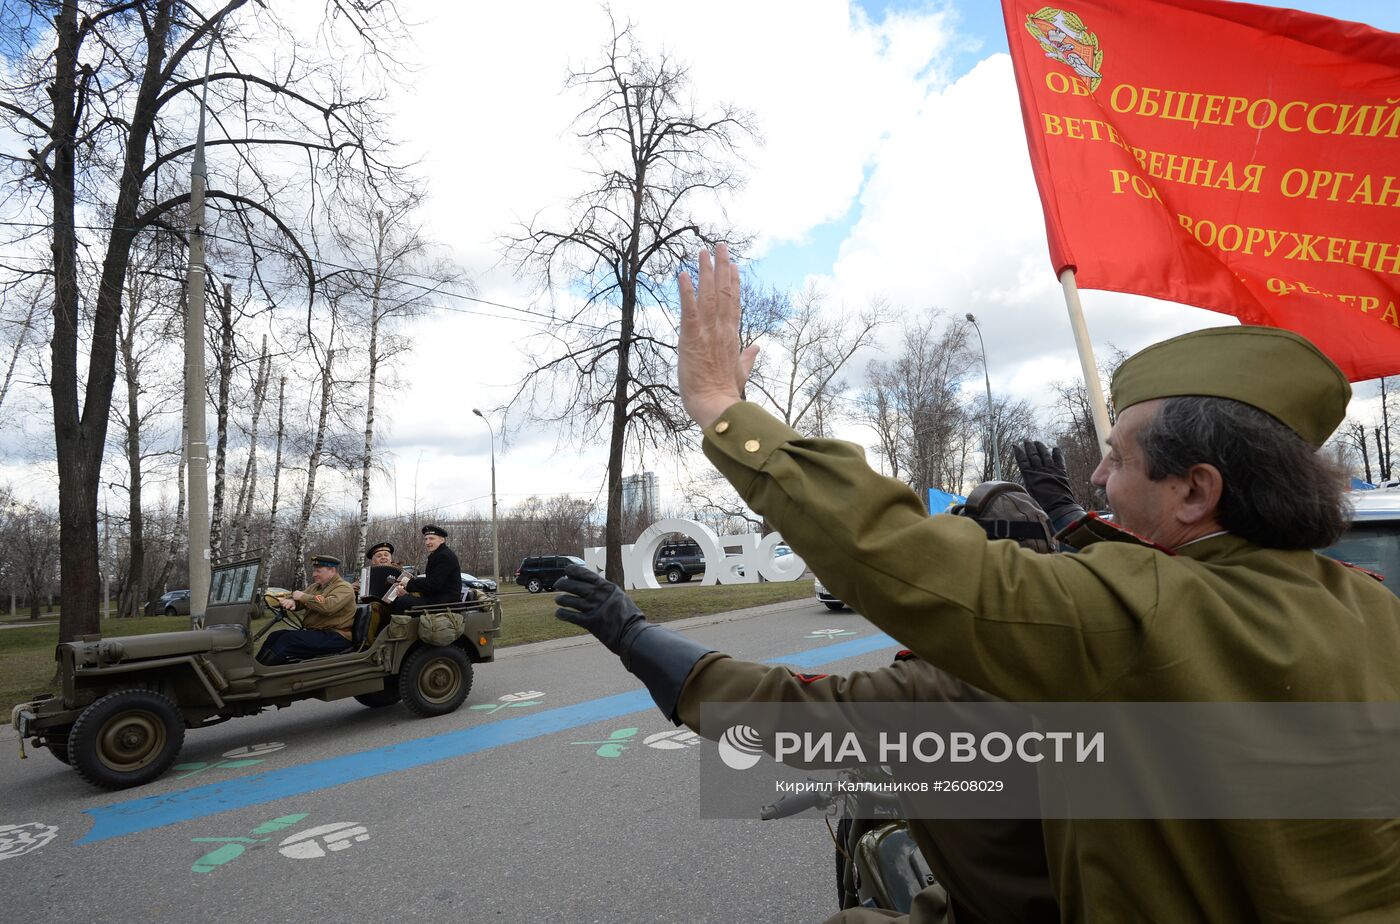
431 530
369 552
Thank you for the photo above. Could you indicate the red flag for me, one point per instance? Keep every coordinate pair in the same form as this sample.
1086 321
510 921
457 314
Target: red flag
1231 156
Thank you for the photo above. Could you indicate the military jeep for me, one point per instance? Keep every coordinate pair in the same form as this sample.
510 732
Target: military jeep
120 719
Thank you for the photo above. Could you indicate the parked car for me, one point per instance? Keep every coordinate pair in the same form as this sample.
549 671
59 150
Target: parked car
825 596
170 603
481 585
679 562
1373 539
539 572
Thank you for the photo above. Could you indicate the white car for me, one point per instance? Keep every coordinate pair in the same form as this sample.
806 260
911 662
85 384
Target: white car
826 597
1373 541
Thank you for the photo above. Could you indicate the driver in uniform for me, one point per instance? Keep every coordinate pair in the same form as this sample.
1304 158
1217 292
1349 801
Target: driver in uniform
327 611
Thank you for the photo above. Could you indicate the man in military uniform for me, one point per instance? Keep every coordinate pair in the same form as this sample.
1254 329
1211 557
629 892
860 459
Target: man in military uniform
327 611
1214 459
441 581
989 871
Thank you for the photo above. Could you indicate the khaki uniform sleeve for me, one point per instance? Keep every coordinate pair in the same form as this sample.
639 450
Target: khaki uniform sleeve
718 678
1018 624
330 607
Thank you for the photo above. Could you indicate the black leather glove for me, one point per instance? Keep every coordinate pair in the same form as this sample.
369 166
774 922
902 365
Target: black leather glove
600 606
660 658
1047 479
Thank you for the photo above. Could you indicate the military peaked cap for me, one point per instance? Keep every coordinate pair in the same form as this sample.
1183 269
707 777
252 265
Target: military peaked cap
1276 371
369 552
431 530
325 561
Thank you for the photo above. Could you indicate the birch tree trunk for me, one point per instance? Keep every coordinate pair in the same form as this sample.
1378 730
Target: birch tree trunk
243 509
178 535
311 466
277 470
216 518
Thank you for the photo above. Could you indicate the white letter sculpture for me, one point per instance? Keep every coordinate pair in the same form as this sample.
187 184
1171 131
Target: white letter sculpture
728 559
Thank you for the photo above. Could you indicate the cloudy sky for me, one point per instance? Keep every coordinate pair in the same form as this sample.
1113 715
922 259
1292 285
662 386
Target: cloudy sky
894 166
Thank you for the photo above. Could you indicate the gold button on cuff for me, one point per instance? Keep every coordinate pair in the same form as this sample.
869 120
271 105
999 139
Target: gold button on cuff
751 446
722 426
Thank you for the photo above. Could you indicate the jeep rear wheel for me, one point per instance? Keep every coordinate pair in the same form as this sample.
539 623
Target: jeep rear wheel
674 575
435 679
171 611
535 585
126 739
385 697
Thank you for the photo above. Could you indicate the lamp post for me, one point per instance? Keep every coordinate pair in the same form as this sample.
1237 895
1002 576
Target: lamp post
197 440
991 410
495 536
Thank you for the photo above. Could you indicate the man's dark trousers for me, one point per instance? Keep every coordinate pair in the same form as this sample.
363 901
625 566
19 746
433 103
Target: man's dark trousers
287 645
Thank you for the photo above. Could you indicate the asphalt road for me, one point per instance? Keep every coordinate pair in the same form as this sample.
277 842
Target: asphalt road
547 809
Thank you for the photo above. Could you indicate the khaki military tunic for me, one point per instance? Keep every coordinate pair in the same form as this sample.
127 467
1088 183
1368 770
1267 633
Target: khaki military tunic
994 870
1223 620
328 606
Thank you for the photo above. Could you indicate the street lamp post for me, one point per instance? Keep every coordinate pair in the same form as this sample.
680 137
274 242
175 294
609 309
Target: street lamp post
991 409
495 535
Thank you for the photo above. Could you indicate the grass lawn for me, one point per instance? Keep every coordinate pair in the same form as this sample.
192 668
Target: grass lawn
27 663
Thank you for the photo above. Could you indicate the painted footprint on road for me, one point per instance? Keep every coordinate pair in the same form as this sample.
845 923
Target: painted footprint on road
323 840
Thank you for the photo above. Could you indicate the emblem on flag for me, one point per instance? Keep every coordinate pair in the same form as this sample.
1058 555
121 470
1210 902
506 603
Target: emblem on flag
1064 38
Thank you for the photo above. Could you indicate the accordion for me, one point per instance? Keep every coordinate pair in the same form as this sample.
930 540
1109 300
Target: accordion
376 579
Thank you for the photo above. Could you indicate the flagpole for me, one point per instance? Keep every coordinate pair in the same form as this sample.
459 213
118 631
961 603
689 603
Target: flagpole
1086 358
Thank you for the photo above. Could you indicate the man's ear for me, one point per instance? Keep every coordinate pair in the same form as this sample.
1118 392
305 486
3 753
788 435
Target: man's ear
1201 500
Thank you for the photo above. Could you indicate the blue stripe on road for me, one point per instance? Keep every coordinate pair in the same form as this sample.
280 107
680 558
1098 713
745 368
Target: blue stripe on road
158 811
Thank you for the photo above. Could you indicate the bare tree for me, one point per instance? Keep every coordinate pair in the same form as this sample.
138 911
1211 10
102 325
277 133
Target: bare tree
224 351
243 507
99 123
395 278
271 545
313 465
914 405
140 356
656 159
31 548
796 372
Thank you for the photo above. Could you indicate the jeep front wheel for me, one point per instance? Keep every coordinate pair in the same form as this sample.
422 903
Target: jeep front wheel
57 743
435 679
126 739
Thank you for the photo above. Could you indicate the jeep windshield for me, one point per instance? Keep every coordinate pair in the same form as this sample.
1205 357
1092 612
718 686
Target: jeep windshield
233 583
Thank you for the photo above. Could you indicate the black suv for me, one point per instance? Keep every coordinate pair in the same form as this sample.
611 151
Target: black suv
679 562
539 572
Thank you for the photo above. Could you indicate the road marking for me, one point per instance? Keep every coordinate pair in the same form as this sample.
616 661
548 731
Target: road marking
674 739
18 840
144 814
314 843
